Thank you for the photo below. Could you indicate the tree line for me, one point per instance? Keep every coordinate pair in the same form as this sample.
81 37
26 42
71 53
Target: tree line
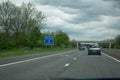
115 43
20 26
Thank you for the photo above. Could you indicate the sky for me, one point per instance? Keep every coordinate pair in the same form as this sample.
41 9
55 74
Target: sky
80 19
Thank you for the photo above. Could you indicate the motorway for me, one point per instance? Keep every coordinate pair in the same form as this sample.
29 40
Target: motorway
72 64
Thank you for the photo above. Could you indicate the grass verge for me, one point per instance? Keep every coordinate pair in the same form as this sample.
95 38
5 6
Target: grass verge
19 52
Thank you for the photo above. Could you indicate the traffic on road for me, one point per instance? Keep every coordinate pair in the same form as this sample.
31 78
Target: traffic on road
59 39
73 64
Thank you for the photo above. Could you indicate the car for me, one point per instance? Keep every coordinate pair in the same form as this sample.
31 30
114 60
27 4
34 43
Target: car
81 47
94 50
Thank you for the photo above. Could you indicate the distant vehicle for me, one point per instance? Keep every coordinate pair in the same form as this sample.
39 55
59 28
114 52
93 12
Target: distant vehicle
94 49
82 47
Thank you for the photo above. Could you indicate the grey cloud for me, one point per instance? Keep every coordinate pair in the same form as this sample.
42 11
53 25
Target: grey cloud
91 9
84 19
76 3
87 11
115 25
116 3
64 3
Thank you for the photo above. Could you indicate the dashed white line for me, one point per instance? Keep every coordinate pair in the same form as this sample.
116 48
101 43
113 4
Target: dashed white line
111 57
66 65
67 55
75 59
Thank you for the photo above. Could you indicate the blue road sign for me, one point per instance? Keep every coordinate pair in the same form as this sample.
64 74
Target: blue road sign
49 40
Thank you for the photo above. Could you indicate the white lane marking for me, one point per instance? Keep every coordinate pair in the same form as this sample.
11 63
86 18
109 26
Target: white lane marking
75 59
67 55
66 65
111 57
3 65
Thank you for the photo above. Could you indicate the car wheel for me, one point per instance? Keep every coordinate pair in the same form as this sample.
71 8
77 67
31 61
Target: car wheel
88 53
99 53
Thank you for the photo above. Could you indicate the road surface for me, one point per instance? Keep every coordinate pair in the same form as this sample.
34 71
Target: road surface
72 64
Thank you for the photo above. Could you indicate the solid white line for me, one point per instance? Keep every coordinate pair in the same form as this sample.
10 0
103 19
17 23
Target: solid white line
33 59
66 65
111 57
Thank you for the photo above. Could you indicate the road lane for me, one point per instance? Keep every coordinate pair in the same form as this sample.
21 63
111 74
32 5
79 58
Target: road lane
26 60
75 64
50 66
111 57
93 66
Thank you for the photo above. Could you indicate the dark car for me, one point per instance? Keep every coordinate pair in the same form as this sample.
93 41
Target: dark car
94 50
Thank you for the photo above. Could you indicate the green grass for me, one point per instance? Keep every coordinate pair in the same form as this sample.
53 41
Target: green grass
19 52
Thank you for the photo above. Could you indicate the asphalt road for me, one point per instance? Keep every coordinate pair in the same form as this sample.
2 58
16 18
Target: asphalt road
70 64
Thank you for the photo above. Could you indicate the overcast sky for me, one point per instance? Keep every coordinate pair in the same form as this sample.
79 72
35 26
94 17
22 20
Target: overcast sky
80 19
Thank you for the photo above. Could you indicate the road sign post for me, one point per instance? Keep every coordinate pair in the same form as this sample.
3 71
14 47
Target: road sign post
49 40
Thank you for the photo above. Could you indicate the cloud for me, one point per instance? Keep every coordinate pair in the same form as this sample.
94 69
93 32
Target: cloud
18 2
81 19
84 19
